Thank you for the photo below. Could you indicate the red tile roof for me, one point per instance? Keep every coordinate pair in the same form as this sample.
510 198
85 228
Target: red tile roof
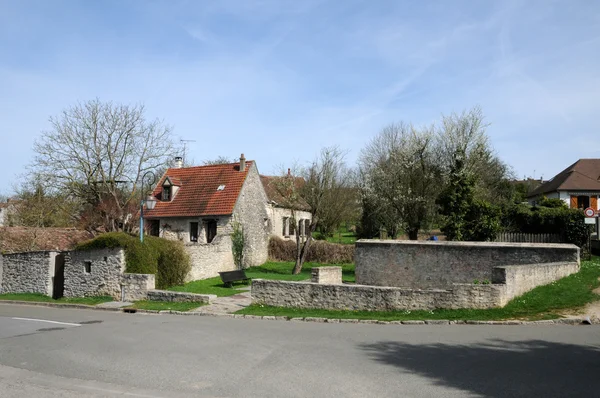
272 189
198 195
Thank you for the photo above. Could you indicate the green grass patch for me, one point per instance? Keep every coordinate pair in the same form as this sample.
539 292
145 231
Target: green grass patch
164 306
543 302
38 297
269 270
344 238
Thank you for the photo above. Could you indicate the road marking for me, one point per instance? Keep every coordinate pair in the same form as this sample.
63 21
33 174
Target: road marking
44 320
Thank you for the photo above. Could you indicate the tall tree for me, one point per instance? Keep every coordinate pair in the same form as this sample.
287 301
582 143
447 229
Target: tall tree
400 178
97 153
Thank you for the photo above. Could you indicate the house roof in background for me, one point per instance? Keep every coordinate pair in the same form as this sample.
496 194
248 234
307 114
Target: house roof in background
583 175
22 239
198 194
274 195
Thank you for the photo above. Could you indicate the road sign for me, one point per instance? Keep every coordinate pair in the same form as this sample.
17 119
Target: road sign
589 212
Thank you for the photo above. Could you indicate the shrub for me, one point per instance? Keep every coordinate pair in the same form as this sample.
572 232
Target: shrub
166 259
319 251
237 245
568 223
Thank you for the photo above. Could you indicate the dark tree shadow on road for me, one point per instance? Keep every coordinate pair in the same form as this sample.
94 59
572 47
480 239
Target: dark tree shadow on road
500 368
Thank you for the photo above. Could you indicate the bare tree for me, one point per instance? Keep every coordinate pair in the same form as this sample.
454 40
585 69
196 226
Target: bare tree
400 178
219 160
97 152
322 188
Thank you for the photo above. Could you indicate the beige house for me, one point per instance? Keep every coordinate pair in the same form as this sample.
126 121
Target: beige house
282 213
200 206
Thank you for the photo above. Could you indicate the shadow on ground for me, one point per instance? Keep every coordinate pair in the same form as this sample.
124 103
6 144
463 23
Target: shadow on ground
500 368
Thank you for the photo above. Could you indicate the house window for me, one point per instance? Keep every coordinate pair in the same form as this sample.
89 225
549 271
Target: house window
87 267
193 232
285 221
306 227
166 194
292 228
211 230
583 202
301 227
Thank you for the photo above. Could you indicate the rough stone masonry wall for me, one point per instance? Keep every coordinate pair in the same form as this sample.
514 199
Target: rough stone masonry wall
509 282
29 272
104 278
208 259
372 298
423 264
135 287
250 210
327 275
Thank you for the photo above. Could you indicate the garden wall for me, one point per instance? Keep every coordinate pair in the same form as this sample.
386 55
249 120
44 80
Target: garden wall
208 259
516 280
94 273
424 264
29 272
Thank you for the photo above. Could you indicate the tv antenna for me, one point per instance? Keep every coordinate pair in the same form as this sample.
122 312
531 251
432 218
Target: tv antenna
185 142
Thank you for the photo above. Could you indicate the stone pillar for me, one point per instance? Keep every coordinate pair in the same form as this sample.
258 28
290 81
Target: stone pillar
327 275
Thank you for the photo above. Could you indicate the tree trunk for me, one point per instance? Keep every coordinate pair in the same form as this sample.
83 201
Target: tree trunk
301 255
413 234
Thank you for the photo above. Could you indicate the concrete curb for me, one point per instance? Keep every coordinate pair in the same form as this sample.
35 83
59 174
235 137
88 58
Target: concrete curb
434 322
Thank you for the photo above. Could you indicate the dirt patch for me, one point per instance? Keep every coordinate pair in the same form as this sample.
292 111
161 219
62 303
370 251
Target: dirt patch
592 309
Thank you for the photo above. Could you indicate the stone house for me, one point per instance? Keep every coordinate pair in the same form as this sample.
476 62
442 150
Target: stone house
200 206
578 185
282 212
7 209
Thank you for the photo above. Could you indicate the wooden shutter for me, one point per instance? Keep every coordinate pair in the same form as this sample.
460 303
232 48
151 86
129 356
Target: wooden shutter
594 202
573 202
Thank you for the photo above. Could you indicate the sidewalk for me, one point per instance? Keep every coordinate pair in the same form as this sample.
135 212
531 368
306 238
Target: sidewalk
226 305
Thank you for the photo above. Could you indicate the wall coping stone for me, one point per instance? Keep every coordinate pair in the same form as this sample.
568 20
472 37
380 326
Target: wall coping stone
383 242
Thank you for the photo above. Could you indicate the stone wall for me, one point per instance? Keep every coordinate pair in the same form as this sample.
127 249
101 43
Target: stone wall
326 275
522 278
208 259
251 213
424 264
509 282
105 267
179 297
29 272
135 287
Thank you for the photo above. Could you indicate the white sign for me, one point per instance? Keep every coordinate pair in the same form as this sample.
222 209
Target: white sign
590 220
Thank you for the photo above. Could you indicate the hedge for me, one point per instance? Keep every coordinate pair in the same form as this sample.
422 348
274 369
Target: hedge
568 223
166 259
320 251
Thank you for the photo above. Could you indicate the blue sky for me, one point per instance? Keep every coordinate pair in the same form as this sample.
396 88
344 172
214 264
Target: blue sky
280 79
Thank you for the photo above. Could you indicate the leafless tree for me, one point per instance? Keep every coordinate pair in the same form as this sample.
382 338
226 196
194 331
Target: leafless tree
97 152
322 188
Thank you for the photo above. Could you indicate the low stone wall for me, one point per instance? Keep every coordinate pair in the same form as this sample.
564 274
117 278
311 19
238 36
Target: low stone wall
427 264
29 272
520 279
516 281
208 259
135 287
179 297
94 273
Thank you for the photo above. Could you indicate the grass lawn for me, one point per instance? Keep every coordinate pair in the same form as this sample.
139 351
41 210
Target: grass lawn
65 300
163 305
269 270
345 238
543 302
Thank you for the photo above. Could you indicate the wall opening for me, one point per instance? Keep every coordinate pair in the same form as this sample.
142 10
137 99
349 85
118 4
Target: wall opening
58 282
87 265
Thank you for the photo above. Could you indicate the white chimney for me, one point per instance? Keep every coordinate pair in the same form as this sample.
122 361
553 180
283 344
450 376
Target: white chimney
242 163
178 162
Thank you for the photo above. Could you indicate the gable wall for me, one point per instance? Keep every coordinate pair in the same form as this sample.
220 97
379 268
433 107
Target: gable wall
251 212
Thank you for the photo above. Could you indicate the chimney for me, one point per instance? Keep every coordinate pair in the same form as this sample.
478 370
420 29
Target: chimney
178 162
242 163
289 172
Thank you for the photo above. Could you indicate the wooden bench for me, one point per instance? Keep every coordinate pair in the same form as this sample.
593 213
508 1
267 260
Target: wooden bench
228 277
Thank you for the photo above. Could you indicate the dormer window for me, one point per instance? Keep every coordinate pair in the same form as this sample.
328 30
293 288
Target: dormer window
166 194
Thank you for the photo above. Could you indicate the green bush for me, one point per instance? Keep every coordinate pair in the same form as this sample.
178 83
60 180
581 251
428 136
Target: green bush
568 223
166 259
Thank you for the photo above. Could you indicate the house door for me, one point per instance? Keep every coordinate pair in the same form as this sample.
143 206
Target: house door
58 283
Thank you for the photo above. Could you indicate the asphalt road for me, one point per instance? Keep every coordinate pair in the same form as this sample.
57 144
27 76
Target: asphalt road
83 353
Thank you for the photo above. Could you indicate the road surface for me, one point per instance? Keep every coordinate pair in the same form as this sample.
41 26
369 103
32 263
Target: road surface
49 352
